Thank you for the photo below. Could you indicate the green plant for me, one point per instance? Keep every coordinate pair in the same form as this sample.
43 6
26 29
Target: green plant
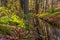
49 13
54 10
11 17
5 29
5 19
5 11
29 37
28 16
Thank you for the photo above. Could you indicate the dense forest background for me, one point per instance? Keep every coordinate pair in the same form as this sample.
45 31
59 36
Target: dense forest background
29 19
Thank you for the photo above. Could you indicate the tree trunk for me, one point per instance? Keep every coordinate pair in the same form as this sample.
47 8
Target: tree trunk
52 5
37 6
24 6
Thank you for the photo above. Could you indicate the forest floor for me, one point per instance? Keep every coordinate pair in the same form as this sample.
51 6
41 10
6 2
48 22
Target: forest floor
22 34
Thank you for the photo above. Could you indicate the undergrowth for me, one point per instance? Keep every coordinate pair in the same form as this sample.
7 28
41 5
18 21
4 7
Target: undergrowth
12 18
49 13
5 30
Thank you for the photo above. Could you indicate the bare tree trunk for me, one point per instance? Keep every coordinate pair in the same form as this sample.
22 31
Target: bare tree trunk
24 6
37 6
52 5
0 3
46 6
57 3
43 6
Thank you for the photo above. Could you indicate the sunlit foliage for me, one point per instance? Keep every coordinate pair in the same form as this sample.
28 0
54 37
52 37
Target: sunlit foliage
11 17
